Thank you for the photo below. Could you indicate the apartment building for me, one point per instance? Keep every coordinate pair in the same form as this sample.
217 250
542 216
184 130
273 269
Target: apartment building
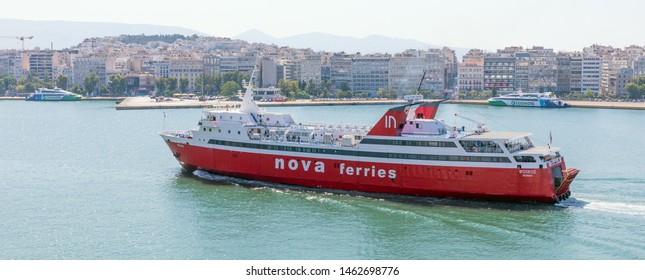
499 74
41 64
311 68
370 73
85 65
542 71
623 77
563 74
611 65
471 75
188 68
585 72
340 72
406 70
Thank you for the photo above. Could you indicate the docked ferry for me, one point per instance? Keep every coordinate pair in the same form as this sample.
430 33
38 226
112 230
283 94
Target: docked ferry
406 152
56 94
520 99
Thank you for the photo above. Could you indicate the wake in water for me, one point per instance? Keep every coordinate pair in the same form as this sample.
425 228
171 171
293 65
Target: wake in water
608 207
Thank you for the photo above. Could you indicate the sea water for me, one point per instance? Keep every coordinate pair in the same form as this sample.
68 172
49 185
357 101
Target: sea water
81 180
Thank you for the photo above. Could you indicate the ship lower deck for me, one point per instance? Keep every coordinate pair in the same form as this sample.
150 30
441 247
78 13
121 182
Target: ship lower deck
352 174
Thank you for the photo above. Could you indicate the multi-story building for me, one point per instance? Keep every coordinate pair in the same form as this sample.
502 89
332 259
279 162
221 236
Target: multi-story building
436 74
310 68
471 75
499 74
623 78
563 74
291 69
609 74
639 66
325 72
370 73
473 54
41 64
269 73
450 68
340 71
406 70
212 64
542 74
585 72
247 60
187 68
522 62
15 64
84 65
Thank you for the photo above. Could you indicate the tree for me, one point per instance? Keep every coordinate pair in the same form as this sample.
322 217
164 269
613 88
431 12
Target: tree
76 89
90 83
183 85
171 83
61 81
116 85
632 90
160 86
589 94
7 83
386 93
230 88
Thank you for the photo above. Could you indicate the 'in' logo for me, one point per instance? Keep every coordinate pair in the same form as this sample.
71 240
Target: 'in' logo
390 122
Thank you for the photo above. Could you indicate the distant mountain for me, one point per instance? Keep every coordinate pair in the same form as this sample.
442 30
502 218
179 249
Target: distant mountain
319 41
64 34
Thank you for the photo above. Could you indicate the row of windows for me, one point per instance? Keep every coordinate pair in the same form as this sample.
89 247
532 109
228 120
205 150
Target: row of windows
441 144
360 153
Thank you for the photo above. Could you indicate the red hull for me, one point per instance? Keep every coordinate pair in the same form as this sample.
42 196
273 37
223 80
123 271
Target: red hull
509 184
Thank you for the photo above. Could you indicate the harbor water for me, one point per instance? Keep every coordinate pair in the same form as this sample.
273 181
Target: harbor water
81 180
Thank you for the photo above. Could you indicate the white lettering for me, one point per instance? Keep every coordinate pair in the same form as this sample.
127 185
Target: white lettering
350 170
306 164
279 163
381 173
293 164
390 121
320 167
392 174
342 167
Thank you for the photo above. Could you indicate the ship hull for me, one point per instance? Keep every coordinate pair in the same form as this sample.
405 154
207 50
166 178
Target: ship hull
43 97
374 176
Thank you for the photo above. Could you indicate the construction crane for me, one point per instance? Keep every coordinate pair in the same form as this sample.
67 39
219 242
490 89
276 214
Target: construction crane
21 38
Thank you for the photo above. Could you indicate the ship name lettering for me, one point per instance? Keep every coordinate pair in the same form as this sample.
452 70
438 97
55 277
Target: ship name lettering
367 171
294 165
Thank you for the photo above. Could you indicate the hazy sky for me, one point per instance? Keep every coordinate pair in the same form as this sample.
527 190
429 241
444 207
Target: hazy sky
492 24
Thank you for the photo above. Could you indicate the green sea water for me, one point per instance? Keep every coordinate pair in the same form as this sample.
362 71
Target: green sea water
82 180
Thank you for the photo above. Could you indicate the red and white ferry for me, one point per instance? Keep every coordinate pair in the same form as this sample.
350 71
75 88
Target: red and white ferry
406 152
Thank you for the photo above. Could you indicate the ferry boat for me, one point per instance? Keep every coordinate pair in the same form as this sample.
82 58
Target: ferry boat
56 94
528 100
406 152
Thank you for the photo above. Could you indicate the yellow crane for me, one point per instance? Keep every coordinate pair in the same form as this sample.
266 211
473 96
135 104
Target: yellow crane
21 38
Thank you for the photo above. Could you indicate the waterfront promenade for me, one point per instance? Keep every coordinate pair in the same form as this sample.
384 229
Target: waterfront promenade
140 103
135 103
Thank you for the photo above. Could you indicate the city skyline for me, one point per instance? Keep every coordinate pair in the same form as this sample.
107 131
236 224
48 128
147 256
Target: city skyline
567 25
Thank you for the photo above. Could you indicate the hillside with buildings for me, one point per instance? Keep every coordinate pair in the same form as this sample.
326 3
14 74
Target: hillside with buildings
146 64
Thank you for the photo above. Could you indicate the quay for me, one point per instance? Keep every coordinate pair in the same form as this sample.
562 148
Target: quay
139 103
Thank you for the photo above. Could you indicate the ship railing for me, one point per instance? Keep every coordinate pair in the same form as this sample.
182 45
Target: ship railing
178 134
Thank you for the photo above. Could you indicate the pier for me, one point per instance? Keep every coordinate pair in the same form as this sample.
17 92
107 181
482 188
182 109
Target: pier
139 103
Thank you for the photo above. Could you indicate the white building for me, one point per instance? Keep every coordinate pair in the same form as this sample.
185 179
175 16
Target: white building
470 75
